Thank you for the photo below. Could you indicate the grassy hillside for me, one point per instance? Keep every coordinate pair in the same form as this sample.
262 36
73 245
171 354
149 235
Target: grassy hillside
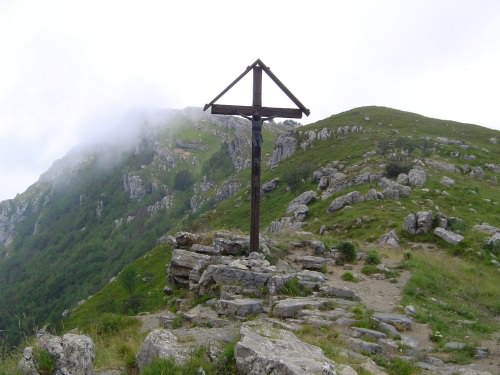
467 287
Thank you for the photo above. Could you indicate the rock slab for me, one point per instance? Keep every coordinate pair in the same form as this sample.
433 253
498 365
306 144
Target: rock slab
263 350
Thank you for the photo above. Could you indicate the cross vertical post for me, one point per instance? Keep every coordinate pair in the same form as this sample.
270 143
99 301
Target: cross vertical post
256 141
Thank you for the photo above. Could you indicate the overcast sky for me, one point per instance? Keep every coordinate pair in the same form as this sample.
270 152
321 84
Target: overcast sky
68 67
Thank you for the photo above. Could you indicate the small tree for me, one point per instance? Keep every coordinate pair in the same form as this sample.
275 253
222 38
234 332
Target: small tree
348 251
183 180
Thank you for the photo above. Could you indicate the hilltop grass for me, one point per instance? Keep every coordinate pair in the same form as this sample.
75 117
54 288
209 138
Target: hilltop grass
457 297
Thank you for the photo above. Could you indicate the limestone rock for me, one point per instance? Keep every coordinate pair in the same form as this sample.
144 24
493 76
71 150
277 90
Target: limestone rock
403 179
303 199
239 307
389 239
345 200
494 240
313 263
263 350
228 244
365 346
401 322
339 292
271 185
284 224
228 189
448 236
446 181
160 343
418 223
285 146
323 182
393 190
74 354
441 165
290 307
358 332
486 228
183 262
185 240
417 177
477 172
300 213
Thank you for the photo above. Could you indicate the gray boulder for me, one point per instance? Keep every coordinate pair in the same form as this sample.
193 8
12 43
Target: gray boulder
74 354
271 185
160 343
345 200
266 350
448 236
390 239
300 213
446 181
303 199
441 165
417 177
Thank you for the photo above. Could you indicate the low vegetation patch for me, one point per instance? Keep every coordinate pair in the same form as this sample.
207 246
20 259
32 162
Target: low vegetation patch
457 297
295 289
348 276
348 251
224 364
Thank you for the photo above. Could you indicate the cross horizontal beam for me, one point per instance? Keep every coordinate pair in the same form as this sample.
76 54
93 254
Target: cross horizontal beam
223 109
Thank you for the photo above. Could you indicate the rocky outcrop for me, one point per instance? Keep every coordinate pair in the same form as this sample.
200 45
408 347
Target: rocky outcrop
284 224
135 186
183 263
310 262
228 189
73 354
266 350
284 147
448 236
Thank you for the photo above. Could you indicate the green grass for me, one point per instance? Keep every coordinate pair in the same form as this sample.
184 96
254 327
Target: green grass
150 279
449 290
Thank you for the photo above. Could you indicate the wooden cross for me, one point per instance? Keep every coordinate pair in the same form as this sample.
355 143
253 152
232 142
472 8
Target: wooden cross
257 114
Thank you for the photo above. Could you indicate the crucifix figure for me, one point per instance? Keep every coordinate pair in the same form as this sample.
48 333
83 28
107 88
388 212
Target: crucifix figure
257 114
